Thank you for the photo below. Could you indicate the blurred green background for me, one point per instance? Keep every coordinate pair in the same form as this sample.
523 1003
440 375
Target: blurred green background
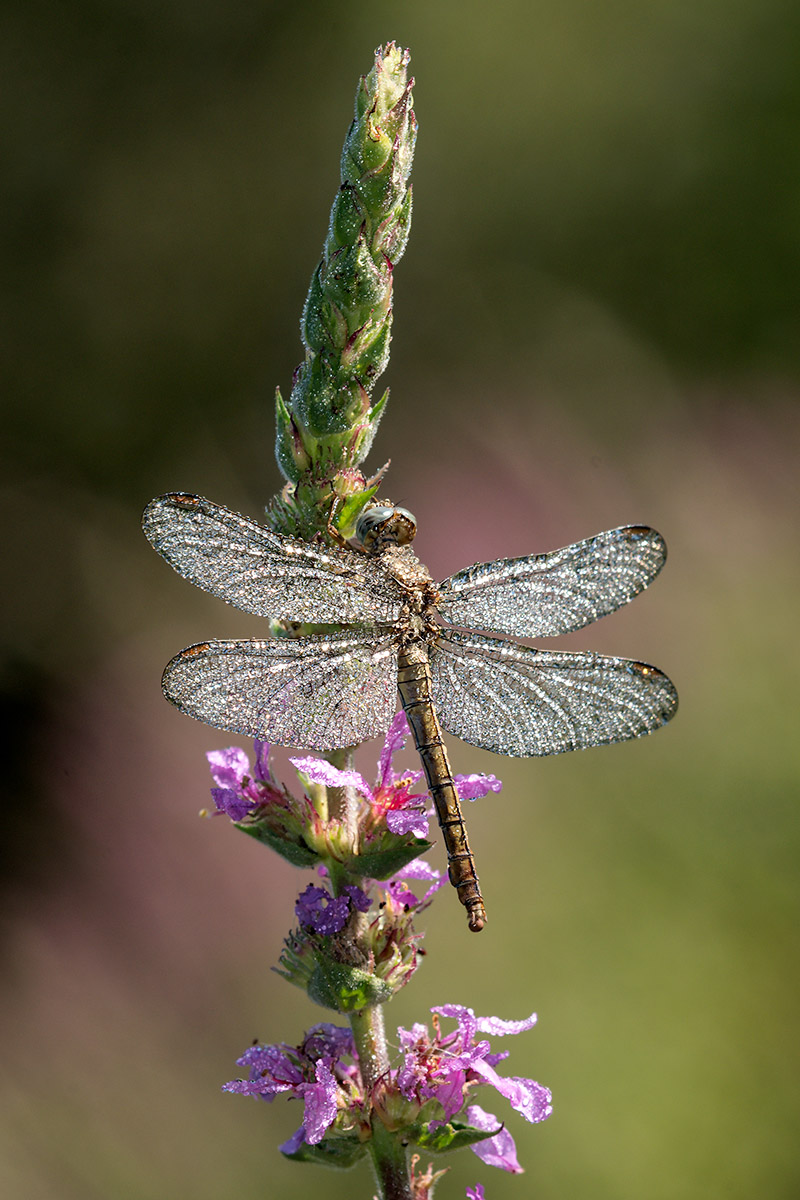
596 323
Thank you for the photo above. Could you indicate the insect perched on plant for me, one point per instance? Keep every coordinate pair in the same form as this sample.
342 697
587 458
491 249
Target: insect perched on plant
336 689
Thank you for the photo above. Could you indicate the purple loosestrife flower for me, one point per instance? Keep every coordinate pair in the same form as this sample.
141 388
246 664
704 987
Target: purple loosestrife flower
239 789
391 799
313 1072
399 898
392 821
426 1100
449 1067
267 811
317 909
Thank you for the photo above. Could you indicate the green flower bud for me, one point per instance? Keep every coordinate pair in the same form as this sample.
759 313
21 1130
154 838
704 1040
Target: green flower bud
326 427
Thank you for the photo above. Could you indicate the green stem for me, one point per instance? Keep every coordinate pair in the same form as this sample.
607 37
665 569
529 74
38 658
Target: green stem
389 1154
343 802
370 1037
390 1163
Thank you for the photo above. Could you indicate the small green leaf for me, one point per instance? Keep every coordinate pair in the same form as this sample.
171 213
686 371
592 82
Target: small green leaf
337 1152
383 863
290 450
377 410
440 1139
297 853
351 509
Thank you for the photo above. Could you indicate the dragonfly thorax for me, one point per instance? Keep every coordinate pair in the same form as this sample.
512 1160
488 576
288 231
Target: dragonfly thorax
385 525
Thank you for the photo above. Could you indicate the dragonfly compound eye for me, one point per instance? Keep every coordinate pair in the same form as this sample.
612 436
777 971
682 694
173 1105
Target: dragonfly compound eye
384 525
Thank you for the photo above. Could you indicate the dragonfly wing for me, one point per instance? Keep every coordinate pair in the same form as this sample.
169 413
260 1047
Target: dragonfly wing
262 572
318 693
518 701
548 594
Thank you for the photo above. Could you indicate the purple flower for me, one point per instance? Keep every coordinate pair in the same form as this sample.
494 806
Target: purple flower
317 909
449 1067
312 1072
398 894
392 798
475 1193
240 791
498 1151
324 1073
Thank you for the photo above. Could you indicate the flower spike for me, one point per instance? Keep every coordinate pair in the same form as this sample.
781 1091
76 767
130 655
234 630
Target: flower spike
325 429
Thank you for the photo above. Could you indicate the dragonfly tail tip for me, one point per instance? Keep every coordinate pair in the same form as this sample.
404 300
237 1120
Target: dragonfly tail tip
477 919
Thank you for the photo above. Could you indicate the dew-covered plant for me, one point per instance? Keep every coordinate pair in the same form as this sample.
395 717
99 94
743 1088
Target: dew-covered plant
356 941
354 946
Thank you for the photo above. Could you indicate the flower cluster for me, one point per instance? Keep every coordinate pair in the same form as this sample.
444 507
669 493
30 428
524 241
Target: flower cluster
371 868
392 799
449 1067
367 894
392 825
317 909
429 1097
315 1072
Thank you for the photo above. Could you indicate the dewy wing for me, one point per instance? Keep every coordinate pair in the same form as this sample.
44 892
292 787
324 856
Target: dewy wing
329 691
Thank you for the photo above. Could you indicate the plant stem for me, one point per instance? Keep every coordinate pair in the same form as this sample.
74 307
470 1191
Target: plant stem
390 1163
389 1154
344 802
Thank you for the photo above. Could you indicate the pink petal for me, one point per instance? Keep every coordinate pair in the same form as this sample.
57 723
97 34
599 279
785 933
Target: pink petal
473 787
467 1025
407 820
498 1151
317 770
295 1142
262 771
529 1098
228 766
497 1027
395 740
418 868
320 1104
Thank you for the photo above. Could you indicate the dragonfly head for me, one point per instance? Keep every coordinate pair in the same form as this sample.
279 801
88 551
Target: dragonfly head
385 525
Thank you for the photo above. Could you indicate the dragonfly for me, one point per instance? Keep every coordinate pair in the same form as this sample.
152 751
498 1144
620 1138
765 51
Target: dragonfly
338 686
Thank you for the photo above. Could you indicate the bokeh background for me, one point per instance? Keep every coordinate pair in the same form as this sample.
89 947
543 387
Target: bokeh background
596 323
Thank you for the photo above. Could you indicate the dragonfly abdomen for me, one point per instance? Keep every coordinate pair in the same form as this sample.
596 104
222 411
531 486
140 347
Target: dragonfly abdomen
414 686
